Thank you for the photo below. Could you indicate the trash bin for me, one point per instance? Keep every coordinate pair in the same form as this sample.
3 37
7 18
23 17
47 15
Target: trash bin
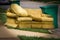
53 11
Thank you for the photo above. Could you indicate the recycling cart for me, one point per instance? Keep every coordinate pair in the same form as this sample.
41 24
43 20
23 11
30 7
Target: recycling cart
53 11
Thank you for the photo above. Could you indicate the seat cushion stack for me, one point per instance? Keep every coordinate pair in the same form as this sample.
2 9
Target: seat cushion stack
28 18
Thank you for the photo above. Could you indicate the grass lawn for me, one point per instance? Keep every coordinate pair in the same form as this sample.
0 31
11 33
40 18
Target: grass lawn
31 29
36 38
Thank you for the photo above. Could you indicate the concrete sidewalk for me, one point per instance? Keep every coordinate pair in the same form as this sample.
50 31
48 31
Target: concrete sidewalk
13 33
5 34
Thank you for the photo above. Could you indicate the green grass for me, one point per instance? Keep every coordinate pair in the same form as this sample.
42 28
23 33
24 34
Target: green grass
3 16
36 38
2 10
31 29
35 30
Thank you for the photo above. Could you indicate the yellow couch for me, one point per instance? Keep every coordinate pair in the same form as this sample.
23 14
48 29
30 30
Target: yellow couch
28 18
29 22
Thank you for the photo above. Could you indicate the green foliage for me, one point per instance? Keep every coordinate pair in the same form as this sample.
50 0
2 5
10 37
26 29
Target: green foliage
2 10
36 38
2 15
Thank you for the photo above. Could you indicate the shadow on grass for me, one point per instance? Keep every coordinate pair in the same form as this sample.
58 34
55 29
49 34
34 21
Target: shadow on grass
31 29
36 38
